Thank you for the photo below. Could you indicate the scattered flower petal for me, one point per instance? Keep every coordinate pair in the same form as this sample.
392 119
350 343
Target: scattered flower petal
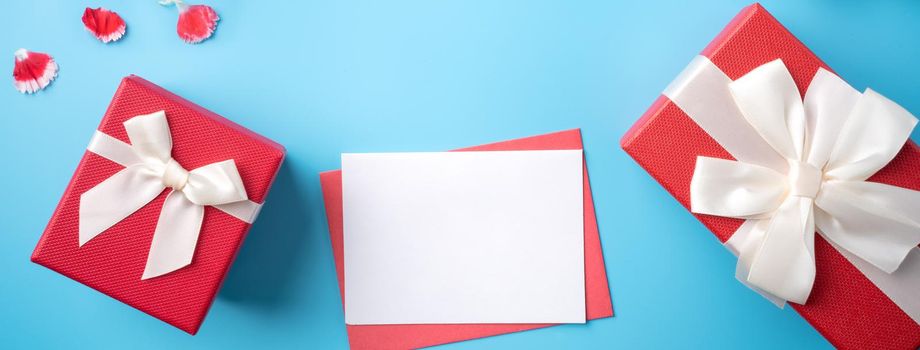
107 26
33 71
196 22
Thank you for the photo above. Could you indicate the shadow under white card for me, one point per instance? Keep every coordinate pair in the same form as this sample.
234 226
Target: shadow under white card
464 237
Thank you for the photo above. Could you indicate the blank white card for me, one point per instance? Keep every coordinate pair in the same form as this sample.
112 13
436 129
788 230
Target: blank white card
464 237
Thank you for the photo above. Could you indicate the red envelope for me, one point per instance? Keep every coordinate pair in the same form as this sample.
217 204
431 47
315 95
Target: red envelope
597 292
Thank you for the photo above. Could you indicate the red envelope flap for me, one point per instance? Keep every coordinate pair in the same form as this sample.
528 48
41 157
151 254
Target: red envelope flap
114 261
597 292
844 306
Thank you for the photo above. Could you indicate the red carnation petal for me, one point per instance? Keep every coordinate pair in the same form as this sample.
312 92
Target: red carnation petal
196 23
33 71
107 26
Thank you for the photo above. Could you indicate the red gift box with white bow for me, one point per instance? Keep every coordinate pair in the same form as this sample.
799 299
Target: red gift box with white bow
160 204
813 184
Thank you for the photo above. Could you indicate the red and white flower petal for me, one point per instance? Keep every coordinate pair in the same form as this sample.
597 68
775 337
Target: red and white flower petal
33 71
107 26
196 22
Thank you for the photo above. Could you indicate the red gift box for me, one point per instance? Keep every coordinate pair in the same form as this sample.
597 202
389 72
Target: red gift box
844 306
113 261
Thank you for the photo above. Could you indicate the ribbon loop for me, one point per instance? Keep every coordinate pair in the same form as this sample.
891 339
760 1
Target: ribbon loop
214 184
770 102
735 189
878 223
824 120
150 137
871 137
114 199
149 170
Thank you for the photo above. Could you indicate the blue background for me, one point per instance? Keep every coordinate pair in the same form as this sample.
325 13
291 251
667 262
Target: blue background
343 76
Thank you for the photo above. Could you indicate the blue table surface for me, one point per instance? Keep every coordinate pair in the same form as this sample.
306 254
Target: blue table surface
324 78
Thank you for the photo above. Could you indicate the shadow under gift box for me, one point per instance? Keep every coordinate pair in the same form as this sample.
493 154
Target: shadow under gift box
114 261
844 306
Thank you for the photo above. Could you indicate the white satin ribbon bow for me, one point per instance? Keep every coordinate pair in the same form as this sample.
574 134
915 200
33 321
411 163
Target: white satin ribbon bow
831 143
149 169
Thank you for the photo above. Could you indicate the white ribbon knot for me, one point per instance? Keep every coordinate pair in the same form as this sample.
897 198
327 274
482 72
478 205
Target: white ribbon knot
804 180
149 169
175 176
831 143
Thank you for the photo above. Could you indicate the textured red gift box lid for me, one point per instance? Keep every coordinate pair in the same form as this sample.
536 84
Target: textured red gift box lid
844 306
597 291
113 262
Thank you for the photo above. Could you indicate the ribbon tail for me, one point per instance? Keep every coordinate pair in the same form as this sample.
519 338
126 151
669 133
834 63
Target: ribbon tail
175 237
116 198
785 261
246 211
744 244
